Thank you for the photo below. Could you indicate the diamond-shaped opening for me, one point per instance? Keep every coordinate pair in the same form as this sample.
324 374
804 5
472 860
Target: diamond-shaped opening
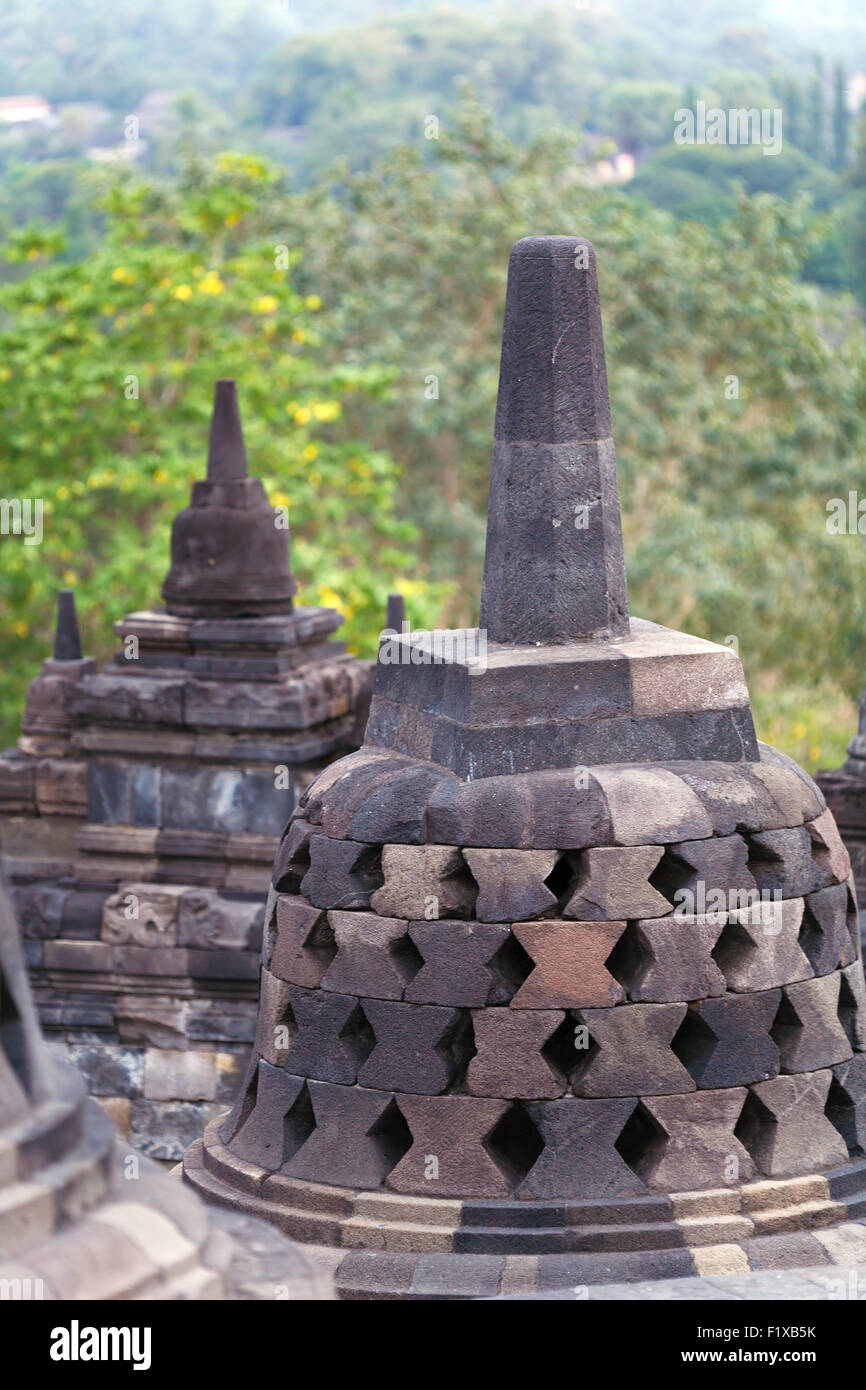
842 1112
358 1035
514 1143
852 919
292 858
467 890
406 957
13 1039
285 1020
240 1113
511 966
671 876
733 948
583 1048
320 943
848 1010
754 1127
641 1141
368 867
559 1051
811 936
298 1124
457 1047
766 866
694 1043
820 856
630 958
560 879
787 1024
392 1134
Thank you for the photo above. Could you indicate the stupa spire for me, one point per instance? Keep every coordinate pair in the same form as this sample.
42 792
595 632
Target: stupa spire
554 568
227 457
67 638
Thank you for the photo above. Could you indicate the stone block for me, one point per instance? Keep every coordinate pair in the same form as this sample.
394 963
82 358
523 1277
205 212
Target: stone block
728 1041
630 1052
292 859
509 1060
109 1069
278 1122
852 1005
580 1155
61 787
670 959
825 936
418 1047
649 805
795 795
124 793
782 862
846 1103
374 955
828 850
422 881
680 1143
359 1137
570 960
188 1075
450 1154
465 963
304 942
807 1029
551 809
342 874
613 884
142 914
511 883
784 1127
760 947
207 918
733 797
701 876
332 1039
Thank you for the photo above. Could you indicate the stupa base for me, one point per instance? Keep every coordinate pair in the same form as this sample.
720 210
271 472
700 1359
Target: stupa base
383 1245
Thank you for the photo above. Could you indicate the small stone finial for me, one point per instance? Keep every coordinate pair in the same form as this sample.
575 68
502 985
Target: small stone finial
395 613
67 639
554 570
227 457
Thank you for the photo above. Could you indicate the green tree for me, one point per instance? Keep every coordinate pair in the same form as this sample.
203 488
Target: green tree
107 368
841 119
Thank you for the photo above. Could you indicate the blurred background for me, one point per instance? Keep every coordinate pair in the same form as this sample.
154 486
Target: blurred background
320 201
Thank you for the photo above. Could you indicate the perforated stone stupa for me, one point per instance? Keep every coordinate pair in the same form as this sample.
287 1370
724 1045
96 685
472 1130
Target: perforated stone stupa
561 980
141 810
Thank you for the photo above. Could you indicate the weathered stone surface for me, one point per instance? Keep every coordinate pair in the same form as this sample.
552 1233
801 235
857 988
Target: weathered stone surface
359 1137
417 1047
613 884
293 857
670 959
846 1103
332 1039
852 1005
553 809
760 946
825 937
462 964
274 1024
795 794
648 805
511 883
807 1029
690 1142
450 1154
207 918
374 955
579 1152
784 1127
342 874
109 1069
424 881
179 1075
509 1061
278 1121
630 1052
701 876
727 1041
570 964
304 942
782 862
828 849
734 798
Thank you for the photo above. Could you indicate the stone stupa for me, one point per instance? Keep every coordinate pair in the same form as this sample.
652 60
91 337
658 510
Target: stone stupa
141 810
561 981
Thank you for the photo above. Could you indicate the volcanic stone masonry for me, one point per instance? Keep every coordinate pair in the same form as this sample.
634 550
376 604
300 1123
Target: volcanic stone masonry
503 1045
845 790
143 805
80 1218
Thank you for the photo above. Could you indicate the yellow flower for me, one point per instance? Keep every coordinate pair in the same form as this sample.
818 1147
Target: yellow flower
182 292
327 410
121 321
148 308
33 254
313 301
299 336
160 476
5 373
329 599
69 577
62 492
311 452
164 284
265 304
119 273
133 427
814 753
280 499
211 284
799 731
19 628
233 219
303 415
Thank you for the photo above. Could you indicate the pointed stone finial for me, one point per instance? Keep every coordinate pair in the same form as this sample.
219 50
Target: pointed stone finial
67 639
227 457
395 614
554 570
